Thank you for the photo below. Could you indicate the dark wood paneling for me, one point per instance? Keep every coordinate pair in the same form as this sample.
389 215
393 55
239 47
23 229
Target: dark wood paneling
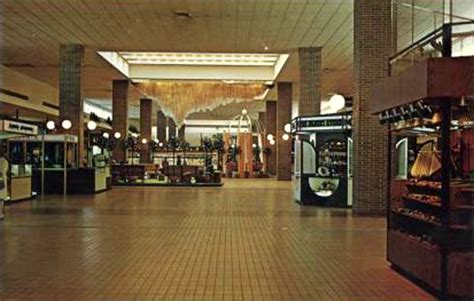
433 78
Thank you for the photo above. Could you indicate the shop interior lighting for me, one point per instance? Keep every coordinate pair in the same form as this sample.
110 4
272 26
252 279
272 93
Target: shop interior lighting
269 137
285 136
287 128
106 135
144 141
272 142
117 135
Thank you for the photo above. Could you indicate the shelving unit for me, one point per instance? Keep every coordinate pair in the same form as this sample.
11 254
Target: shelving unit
430 212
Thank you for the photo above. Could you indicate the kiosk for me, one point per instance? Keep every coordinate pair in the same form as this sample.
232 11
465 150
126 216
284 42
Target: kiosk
323 160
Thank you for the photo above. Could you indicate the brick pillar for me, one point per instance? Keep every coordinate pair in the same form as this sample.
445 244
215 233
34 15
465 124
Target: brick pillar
372 44
283 117
309 86
120 96
270 128
71 59
145 127
171 128
161 126
182 133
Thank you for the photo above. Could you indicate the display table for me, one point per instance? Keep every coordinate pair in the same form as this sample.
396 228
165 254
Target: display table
170 175
79 180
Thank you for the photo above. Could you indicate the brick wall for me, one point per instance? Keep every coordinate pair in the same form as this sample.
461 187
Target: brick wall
120 97
372 44
145 127
71 104
309 86
182 133
283 117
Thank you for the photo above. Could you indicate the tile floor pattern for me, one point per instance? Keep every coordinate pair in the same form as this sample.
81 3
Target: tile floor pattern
245 241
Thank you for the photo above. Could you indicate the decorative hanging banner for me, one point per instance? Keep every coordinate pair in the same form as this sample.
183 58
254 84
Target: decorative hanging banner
179 99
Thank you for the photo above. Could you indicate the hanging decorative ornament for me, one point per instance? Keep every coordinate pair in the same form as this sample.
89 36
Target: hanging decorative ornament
179 99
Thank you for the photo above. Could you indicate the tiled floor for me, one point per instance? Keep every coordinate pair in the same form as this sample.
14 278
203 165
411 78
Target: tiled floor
245 241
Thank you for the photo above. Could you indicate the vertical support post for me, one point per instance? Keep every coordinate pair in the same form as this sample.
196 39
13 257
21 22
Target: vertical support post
445 145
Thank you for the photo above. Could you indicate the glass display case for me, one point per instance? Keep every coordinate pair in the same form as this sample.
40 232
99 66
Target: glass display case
430 202
323 160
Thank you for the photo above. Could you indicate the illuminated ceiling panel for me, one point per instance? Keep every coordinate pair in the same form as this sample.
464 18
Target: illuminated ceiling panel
194 66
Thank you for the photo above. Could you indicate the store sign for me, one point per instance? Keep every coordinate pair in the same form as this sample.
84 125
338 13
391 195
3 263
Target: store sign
19 127
323 123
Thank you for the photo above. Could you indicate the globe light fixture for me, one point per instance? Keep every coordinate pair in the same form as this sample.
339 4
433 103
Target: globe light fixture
160 144
117 135
244 112
269 137
106 135
50 125
287 127
91 125
134 135
254 145
337 102
66 124
144 141
272 142
285 136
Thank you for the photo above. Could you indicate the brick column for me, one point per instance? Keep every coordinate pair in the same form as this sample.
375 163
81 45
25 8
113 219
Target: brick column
71 59
182 133
120 91
145 127
372 44
309 86
161 126
270 128
171 128
283 117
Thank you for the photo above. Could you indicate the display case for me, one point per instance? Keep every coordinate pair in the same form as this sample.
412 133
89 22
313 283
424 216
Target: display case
430 210
178 168
323 160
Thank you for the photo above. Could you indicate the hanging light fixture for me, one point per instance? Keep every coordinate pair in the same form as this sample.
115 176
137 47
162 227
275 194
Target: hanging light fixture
91 125
144 141
50 125
287 128
337 102
285 136
106 135
66 124
269 137
272 142
117 135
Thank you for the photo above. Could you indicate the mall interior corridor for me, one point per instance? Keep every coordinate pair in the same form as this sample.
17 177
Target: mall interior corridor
245 240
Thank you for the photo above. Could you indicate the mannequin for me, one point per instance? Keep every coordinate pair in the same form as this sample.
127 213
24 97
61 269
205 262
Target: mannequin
3 183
